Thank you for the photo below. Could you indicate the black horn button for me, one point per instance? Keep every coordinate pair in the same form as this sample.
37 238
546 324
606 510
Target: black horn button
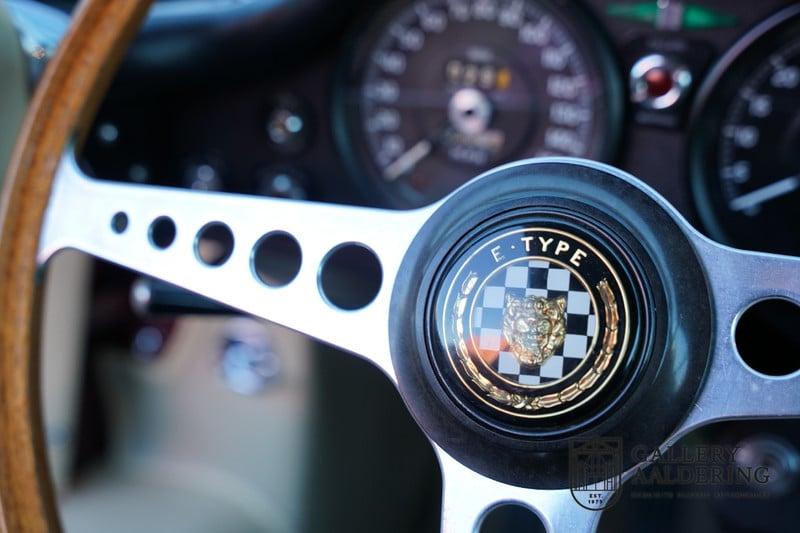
545 301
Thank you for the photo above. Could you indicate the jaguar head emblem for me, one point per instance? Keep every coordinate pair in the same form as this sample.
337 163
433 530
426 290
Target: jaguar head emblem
534 327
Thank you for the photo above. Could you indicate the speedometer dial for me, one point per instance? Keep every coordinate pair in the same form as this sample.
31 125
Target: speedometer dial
746 147
443 89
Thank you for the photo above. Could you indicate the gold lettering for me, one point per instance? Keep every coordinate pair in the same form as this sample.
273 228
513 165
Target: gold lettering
527 241
545 243
561 247
497 254
577 256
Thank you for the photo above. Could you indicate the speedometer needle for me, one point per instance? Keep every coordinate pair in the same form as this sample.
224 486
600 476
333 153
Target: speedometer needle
770 192
408 160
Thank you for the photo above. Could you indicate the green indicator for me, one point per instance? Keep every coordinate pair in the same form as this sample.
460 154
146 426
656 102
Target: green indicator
695 17
642 12
698 17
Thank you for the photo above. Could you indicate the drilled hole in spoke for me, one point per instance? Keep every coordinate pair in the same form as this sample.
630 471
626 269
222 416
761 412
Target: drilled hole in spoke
768 337
119 222
214 244
276 259
350 276
162 232
511 517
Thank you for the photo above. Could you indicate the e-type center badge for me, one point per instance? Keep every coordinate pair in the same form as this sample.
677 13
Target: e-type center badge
534 321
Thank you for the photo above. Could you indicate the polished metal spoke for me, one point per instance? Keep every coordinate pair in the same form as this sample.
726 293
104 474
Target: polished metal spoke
731 389
468 496
80 216
81 209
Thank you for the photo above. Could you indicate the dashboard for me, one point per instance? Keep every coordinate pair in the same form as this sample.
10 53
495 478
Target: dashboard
395 104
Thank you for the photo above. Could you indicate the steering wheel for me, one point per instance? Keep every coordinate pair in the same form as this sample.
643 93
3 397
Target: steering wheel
547 311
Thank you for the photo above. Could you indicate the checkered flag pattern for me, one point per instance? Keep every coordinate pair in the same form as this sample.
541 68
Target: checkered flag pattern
533 278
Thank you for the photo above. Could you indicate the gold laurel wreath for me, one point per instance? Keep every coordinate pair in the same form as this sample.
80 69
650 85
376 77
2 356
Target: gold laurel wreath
528 402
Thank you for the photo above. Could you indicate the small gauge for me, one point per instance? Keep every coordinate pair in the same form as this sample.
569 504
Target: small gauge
745 151
440 90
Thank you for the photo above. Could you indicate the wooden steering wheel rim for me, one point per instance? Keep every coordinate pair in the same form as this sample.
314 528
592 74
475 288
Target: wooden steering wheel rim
64 103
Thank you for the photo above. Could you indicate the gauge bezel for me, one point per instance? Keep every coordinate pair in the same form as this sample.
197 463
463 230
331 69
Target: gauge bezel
708 112
585 29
